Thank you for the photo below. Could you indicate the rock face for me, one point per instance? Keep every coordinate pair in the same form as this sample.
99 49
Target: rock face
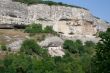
15 46
70 21
54 45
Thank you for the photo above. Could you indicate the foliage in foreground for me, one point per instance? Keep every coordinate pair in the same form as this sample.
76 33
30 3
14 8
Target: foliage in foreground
78 47
102 58
78 58
30 47
34 59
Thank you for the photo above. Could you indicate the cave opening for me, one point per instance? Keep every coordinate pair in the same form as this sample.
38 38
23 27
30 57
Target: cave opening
12 26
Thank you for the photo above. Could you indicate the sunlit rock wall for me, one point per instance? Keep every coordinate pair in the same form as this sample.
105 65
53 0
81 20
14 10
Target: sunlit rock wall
68 21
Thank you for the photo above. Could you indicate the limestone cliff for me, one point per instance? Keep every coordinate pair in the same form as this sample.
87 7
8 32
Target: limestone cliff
70 21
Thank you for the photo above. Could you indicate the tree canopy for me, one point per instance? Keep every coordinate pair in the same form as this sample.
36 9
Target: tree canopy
102 57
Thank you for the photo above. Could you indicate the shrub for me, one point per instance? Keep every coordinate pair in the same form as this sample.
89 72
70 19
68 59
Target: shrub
34 28
89 47
30 46
74 46
37 28
48 29
89 44
3 47
69 45
79 46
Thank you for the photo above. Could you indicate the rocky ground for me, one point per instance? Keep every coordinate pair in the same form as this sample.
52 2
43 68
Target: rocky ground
13 38
8 36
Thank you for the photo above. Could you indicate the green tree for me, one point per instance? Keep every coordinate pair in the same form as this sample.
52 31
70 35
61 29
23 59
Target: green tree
89 47
69 45
89 44
17 63
102 58
73 46
30 46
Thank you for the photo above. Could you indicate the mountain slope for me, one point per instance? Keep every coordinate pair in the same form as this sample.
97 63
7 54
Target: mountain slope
72 22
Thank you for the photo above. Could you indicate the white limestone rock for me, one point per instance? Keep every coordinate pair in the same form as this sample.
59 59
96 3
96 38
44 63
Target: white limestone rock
15 46
54 46
65 20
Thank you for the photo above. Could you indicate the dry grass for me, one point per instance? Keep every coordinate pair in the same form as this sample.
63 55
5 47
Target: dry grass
12 32
9 35
38 37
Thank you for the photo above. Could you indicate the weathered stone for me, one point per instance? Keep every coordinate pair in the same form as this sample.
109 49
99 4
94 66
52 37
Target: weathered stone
69 21
54 46
15 46
49 41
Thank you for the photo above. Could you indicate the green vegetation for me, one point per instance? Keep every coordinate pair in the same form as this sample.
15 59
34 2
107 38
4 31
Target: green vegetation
34 28
3 47
34 59
50 3
14 63
48 29
74 46
79 57
80 52
37 28
28 1
101 60
29 47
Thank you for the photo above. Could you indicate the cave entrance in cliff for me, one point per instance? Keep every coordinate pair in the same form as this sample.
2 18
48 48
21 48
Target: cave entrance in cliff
12 26
22 26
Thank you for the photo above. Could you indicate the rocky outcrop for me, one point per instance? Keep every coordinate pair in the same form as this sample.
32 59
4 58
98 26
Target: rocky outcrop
49 41
69 21
15 46
54 45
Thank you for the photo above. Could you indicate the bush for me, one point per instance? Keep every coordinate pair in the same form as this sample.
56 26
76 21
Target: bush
79 45
89 44
3 47
70 46
37 28
30 46
74 46
48 29
34 28
89 47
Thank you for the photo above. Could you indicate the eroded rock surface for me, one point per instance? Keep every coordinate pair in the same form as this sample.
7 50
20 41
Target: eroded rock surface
54 45
69 21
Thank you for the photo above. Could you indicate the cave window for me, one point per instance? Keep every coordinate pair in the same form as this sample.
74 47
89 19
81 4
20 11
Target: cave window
11 15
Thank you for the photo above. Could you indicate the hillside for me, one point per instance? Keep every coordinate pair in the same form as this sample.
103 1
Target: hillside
49 37
63 19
